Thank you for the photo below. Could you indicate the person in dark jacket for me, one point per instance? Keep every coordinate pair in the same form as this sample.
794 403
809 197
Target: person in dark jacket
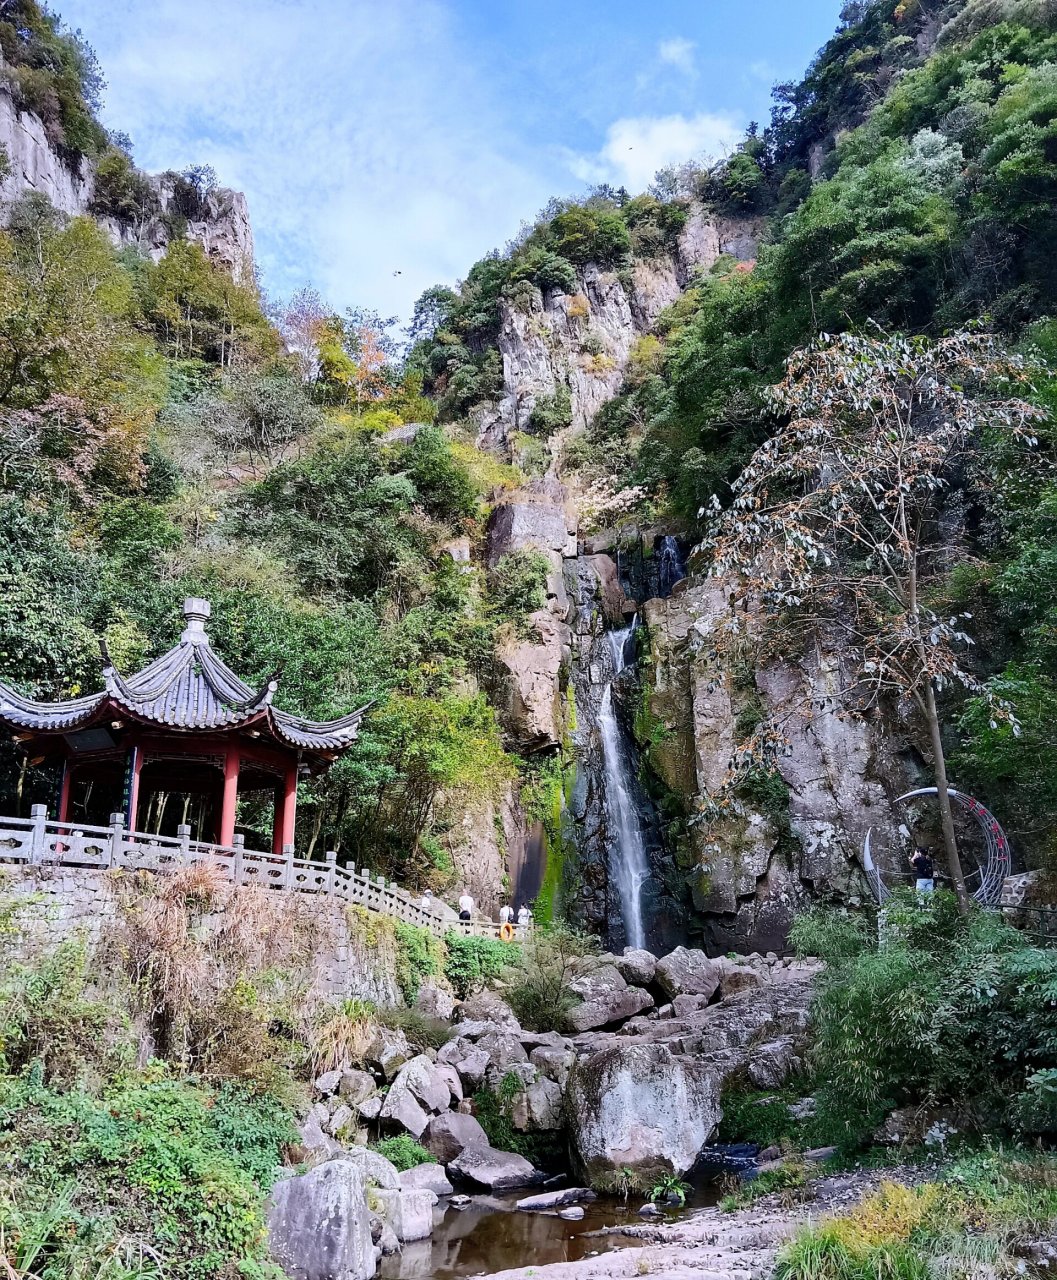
921 864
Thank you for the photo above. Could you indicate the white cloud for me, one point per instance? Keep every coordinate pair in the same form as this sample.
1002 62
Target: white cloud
678 53
636 147
374 161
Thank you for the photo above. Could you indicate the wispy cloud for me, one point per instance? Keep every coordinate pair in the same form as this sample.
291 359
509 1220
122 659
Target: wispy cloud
374 161
679 53
636 147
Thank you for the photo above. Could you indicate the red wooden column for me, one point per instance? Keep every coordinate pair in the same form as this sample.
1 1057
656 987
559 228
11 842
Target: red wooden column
135 767
285 810
64 791
230 796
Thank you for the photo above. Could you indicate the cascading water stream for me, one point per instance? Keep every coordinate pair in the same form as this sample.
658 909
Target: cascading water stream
672 567
629 865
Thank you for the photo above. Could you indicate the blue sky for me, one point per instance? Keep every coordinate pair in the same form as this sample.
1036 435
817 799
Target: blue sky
381 136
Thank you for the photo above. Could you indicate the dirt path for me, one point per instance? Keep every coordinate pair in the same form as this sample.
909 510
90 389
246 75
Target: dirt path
713 1245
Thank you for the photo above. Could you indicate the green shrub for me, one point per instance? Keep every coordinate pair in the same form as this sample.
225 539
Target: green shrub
403 1152
789 1176
551 413
941 1007
546 270
518 585
761 1118
537 985
183 1168
418 955
493 1109
471 962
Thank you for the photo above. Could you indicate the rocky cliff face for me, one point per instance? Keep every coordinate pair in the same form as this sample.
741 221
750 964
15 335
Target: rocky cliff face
764 851
739 869
223 231
582 341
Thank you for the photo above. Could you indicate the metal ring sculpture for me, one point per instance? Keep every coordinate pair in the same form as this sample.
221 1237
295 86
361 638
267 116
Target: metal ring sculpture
995 868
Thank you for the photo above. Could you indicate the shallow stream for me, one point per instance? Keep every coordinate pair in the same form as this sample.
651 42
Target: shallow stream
491 1235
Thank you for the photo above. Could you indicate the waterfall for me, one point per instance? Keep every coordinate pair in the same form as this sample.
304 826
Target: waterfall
672 567
627 843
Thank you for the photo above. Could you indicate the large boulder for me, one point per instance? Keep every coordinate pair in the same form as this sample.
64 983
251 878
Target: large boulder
446 1136
605 998
402 1110
424 1082
738 977
467 1059
554 1064
435 1000
409 1212
486 1006
387 1052
771 1065
504 1050
538 1107
640 1107
356 1086
637 966
685 972
319 1227
496 1170
316 1143
427 1177
375 1168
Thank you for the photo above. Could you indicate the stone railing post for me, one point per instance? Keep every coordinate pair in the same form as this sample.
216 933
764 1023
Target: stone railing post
288 869
331 859
239 842
38 837
113 848
183 834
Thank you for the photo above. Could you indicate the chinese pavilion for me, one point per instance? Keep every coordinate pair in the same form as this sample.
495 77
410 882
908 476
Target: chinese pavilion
185 724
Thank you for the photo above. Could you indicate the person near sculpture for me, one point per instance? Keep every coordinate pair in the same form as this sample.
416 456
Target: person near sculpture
921 865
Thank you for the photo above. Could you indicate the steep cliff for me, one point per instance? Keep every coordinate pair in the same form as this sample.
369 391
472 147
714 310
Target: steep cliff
581 341
728 864
222 226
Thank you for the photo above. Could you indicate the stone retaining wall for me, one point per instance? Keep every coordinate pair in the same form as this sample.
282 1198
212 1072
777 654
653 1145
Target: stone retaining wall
346 956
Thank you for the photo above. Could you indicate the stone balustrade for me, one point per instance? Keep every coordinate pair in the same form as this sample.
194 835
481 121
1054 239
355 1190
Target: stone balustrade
37 841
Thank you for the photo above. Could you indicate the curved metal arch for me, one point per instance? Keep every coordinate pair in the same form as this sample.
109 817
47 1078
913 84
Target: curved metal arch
995 868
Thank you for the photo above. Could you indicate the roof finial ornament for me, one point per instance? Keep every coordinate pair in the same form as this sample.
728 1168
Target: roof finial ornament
196 611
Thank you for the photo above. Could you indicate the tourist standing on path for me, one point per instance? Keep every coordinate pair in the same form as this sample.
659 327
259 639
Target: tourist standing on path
465 905
506 914
426 904
524 918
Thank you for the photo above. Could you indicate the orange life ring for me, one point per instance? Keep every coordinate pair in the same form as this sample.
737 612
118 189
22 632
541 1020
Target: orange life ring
506 932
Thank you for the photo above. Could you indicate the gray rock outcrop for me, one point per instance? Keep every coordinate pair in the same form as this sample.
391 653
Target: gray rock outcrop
495 1170
448 1135
427 1177
686 972
223 230
640 1107
319 1227
605 999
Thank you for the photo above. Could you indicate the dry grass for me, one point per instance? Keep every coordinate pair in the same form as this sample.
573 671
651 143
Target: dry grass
201 957
342 1037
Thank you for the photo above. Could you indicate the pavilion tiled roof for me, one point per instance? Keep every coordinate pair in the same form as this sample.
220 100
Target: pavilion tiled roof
188 688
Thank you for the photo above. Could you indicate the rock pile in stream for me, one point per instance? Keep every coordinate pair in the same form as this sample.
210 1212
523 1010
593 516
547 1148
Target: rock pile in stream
633 1083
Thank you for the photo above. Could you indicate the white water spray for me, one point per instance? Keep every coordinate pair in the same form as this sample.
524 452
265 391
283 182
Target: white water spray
629 864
